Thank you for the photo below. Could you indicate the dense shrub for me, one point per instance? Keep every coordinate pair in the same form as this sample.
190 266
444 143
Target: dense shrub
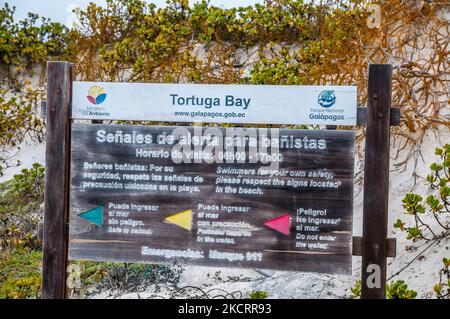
133 40
32 40
278 42
394 290
23 44
20 209
436 206
18 121
20 275
442 289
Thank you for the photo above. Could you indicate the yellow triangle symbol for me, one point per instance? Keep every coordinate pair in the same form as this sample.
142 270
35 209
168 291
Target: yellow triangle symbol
183 219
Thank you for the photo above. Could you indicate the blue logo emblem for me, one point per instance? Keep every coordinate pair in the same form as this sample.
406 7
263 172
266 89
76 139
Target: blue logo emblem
326 98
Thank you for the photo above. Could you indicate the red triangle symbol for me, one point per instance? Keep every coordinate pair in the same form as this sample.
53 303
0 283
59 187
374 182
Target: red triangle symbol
281 224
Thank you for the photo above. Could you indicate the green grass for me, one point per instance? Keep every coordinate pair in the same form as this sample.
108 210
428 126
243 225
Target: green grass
20 274
258 294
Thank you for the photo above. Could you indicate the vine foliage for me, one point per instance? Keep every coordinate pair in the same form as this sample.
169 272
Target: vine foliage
277 42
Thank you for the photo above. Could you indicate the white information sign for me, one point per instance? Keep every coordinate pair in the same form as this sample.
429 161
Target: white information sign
253 104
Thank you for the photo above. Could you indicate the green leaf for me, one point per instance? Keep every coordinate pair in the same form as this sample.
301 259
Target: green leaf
444 192
399 224
413 233
446 262
436 167
431 178
437 289
434 203
399 290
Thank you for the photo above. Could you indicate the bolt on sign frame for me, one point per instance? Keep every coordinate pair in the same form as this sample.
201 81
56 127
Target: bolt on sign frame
63 136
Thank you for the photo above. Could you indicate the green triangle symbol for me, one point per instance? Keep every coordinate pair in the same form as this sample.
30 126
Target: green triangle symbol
94 216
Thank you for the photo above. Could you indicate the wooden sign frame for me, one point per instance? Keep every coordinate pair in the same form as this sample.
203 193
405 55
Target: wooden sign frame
222 211
373 246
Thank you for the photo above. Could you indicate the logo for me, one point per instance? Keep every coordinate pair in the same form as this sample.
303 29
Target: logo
96 95
326 98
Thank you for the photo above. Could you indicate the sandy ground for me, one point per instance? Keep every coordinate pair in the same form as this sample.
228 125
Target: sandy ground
421 274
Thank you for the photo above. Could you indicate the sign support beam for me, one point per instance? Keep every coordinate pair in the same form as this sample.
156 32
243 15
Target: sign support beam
376 183
56 232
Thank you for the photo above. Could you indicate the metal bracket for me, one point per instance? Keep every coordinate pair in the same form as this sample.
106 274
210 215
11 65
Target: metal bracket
43 110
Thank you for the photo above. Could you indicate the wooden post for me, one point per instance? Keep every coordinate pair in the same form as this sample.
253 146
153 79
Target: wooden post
376 183
55 237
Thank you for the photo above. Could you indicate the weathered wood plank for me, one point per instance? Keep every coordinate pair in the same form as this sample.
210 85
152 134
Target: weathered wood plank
43 112
109 234
390 252
361 116
55 236
40 230
376 182
395 116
